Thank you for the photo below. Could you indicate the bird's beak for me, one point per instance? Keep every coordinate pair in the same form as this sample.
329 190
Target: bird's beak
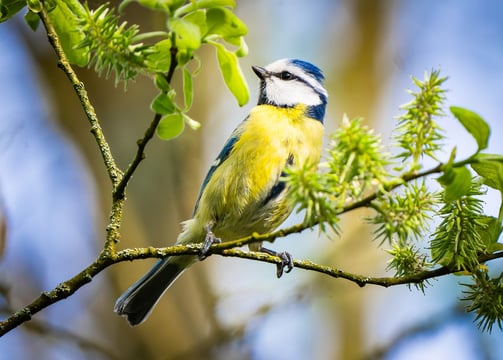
260 71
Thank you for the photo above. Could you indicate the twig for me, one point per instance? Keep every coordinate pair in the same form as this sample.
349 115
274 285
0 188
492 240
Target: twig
119 192
360 280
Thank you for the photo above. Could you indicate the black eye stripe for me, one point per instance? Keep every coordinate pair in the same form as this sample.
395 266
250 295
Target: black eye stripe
286 75
290 76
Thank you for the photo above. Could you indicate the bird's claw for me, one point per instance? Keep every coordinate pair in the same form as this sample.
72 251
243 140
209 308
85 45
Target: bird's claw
209 240
286 264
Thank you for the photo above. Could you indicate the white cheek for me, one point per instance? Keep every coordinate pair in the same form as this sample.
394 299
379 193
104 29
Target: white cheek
289 93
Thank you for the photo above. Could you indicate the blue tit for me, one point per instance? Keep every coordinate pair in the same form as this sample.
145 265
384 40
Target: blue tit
244 191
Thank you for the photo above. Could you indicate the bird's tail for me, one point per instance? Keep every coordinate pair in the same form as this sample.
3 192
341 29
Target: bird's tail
136 303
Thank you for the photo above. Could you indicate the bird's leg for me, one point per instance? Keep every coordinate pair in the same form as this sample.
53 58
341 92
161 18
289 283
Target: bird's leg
209 240
286 263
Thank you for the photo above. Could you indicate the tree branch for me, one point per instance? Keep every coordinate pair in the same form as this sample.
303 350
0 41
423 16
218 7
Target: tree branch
69 287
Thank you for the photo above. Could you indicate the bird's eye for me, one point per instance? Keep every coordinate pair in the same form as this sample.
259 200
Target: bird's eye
285 75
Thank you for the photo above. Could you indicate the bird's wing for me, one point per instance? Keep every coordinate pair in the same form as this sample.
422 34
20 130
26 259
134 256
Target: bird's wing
222 156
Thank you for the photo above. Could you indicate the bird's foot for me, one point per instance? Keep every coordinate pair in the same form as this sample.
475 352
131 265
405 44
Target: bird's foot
209 240
286 264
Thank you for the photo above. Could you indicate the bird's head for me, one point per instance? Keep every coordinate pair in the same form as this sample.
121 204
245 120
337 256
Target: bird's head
288 82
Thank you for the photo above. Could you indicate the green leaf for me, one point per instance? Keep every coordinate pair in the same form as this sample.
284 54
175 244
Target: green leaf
159 60
9 8
243 48
163 104
65 18
198 18
225 23
491 233
491 173
188 89
474 124
203 4
188 35
487 157
187 39
456 183
171 126
161 82
232 74
162 5
32 20
148 35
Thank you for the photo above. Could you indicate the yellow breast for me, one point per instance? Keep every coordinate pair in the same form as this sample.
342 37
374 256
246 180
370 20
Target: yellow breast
233 198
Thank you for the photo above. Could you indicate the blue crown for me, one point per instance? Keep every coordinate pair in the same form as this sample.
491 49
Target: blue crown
309 68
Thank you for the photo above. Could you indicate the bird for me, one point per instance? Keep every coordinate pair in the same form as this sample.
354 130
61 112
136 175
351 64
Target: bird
244 191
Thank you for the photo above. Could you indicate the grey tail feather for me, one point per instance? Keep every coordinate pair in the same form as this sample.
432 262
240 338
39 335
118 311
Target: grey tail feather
137 302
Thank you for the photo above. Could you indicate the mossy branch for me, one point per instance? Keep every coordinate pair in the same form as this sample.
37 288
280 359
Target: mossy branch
69 287
115 174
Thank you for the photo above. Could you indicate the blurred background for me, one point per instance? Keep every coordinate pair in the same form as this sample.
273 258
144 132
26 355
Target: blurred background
55 195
